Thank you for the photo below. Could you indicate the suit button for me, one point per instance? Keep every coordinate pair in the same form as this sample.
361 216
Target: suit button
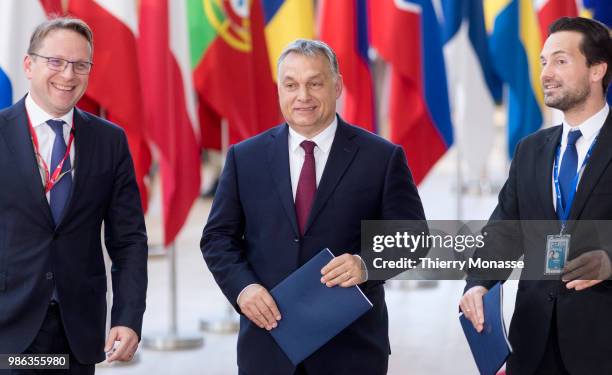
296 239
55 235
49 275
551 297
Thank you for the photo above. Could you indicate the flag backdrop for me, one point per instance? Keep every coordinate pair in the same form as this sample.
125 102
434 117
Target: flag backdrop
14 41
474 85
231 69
285 21
550 10
169 107
344 26
114 82
600 9
407 35
515 44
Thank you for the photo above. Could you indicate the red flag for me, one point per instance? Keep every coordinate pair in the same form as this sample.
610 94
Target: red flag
52 7
114 83
344 27
551 10
166 84
407 36
232 73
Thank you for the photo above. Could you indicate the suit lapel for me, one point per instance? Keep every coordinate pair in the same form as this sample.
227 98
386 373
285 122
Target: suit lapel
16 133
83 145
342 152
544 166
278 158
602 153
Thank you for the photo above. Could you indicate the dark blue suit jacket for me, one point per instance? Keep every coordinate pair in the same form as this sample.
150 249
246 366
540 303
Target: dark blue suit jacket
35 254
582 317
252 236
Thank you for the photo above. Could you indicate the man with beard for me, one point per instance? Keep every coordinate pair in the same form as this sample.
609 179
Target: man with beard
560 326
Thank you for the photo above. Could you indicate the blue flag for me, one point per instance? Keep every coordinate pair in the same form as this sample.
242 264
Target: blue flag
6 90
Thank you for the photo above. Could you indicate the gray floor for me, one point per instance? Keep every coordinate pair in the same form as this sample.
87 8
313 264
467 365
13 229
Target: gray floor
425 335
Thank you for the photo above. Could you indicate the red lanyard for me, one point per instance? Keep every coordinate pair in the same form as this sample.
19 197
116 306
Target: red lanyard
50 178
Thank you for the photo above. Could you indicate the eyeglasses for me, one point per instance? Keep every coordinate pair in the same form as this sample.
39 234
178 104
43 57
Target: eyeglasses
59 65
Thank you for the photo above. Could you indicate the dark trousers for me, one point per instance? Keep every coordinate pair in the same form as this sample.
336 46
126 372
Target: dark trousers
51 339
552 362
298 371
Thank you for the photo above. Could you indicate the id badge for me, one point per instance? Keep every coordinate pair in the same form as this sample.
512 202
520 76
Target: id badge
557 248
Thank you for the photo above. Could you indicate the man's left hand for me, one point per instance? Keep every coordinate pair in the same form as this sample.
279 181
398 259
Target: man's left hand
587 270
128 343
344 270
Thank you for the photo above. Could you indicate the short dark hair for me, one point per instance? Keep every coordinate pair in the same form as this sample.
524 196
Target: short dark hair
596 43
59 23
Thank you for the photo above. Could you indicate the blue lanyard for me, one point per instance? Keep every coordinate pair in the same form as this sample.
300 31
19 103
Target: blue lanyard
565 211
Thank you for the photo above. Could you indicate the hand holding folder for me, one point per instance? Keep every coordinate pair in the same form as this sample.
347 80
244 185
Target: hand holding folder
312 312
490 347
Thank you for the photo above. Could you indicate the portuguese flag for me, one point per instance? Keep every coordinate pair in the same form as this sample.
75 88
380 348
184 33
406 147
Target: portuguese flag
231 71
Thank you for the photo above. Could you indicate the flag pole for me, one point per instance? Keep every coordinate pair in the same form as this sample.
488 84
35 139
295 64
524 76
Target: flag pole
173 340
226 325
459 195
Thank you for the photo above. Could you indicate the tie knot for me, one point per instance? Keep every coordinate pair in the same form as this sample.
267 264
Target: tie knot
57 126
573 136
308 147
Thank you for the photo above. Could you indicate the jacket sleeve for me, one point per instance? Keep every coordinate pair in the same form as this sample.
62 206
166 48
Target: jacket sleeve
222 243
126 242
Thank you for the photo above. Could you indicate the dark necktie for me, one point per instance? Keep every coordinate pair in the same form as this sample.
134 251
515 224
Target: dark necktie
61 190
307 185
569 167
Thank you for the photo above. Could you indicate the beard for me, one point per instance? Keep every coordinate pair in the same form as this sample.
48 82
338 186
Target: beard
569 98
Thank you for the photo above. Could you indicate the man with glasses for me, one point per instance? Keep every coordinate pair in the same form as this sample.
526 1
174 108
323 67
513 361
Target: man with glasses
64 172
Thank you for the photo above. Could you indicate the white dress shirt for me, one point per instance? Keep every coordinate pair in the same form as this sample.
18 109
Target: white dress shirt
46 136
590 129
323 142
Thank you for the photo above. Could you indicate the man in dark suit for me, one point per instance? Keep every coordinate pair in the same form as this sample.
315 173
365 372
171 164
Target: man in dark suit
64 172
292 191
561 176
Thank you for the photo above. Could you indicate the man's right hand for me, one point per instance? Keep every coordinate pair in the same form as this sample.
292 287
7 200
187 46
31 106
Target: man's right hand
471 305
258 305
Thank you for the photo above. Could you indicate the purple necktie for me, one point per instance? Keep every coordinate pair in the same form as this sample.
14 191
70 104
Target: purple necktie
307 186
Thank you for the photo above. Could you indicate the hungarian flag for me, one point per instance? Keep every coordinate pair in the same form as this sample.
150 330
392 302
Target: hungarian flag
231 71
344 26
406 33
114 84
170 107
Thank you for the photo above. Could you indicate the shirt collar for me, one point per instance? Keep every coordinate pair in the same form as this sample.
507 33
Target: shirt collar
323 140
590 127
38 116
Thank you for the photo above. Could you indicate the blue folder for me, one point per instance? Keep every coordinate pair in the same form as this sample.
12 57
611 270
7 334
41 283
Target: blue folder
311 312
490 347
